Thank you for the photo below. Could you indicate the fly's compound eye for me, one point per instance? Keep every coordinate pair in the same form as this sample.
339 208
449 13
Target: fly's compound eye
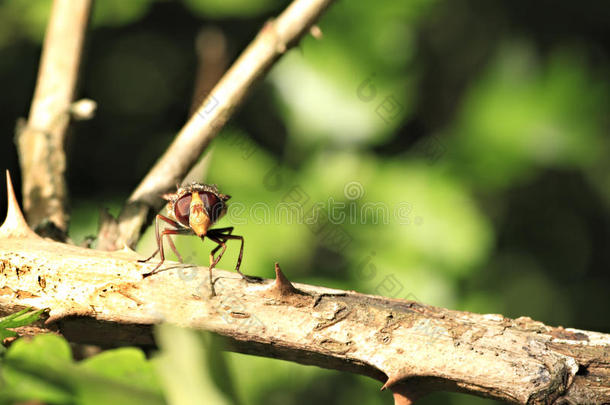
214 206
182 209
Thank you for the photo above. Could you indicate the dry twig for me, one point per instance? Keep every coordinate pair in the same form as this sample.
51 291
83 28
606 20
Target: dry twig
101 298
276 37
41 141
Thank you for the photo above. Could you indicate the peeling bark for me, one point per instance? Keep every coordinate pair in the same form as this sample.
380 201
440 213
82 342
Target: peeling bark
101 298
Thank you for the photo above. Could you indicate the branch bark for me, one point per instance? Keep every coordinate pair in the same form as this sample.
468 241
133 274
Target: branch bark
41 141
101 298
276 37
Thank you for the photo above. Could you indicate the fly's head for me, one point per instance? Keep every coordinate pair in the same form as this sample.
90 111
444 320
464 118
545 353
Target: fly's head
197 206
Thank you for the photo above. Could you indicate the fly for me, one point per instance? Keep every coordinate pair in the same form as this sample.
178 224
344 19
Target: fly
193 210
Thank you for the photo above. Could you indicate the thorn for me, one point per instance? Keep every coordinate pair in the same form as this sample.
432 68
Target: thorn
405 392
270 31
282 285
316 32
283 291
83 109
127 249
15 224
56 315
392 380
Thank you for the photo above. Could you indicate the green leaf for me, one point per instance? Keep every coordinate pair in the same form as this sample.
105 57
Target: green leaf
45 349
4 333
22 318
32 369
42 369
124 364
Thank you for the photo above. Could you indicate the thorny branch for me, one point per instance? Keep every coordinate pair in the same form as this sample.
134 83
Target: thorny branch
41 140
414 348
101 298
276 37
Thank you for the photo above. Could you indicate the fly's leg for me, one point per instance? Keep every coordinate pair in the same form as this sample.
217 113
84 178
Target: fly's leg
167 232
214 262
223 235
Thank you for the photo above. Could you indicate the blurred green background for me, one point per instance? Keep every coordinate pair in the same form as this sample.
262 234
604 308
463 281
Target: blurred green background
449 151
